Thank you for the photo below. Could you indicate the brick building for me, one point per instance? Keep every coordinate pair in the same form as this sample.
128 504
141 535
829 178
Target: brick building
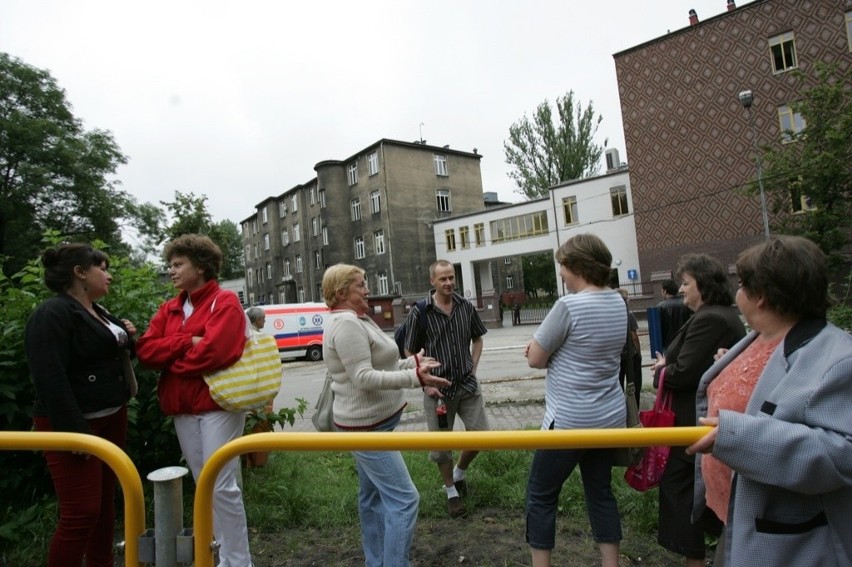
374 209
689 138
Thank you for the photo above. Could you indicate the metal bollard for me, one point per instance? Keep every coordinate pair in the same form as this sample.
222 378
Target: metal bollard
160 548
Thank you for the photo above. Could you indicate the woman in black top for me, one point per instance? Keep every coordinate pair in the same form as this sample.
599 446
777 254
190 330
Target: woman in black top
715 324
78 356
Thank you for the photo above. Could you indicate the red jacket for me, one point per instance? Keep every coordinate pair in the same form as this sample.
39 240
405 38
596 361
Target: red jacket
218 318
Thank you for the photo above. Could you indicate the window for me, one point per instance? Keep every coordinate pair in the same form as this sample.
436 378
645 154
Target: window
782 49
356 209
379 239
318 259
441 165
479 233
282 209
268 271
443 200
315 226
296 234
507 261
791 123
250 273
254 226
510 281
373 163
382 284
353 173
322 198
450 235
313 195
248 251
266 242
849 29
800 202
619 201
285 237
569 205
325 236
464 236
294 203
301 294
359 247
375 202
264 213
256 252
521 226
298 263
318 292
287 268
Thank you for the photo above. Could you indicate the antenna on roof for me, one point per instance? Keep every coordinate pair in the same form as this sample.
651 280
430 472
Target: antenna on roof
421 133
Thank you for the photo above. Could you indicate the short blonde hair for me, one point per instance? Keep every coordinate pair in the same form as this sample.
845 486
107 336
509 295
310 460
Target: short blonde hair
336 278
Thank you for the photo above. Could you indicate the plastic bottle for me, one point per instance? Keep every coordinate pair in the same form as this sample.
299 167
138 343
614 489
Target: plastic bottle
441 412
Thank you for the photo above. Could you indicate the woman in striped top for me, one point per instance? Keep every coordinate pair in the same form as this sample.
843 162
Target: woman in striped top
579 342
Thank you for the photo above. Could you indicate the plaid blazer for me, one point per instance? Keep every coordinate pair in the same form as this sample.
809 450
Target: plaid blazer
791 453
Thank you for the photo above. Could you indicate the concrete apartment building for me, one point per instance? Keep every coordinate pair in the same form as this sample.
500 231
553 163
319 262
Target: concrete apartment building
689 138
374 209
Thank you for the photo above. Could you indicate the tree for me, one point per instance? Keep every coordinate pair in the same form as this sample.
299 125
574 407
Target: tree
189 214
227 236
812 173
53 173
544 153
539 274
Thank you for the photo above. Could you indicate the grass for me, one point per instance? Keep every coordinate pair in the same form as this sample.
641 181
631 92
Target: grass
319 490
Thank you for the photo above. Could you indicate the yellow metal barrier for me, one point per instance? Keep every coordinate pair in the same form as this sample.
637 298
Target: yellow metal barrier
393 441
115 458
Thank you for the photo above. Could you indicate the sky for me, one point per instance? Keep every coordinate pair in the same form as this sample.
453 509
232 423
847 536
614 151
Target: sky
239 100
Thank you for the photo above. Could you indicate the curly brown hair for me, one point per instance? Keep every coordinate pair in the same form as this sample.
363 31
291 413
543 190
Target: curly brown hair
201 251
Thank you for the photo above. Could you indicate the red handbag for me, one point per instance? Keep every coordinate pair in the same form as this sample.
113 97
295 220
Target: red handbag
646 474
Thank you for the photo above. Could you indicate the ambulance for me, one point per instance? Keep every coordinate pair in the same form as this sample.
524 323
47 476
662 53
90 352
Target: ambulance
297 328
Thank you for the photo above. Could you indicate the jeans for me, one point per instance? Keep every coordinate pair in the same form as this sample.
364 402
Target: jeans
201 435
387 505
550 469
85 488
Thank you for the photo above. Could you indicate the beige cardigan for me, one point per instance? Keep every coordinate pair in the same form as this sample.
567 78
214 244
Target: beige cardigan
368 375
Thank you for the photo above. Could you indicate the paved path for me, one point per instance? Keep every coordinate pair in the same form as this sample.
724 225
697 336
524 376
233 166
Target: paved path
514 401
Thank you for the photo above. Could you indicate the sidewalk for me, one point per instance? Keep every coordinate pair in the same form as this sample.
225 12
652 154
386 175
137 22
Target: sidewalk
512 401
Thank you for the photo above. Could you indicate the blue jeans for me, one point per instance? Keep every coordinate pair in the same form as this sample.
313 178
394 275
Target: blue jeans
387 505
549 471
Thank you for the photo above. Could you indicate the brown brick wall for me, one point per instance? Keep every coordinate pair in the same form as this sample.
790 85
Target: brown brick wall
689 140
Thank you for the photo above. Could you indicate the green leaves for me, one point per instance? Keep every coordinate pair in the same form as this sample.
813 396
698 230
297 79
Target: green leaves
814 166
545 153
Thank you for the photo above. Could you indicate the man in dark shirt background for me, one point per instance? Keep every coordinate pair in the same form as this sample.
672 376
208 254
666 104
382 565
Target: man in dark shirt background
673 313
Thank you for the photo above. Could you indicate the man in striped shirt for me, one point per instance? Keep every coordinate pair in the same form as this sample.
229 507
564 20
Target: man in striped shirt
452 335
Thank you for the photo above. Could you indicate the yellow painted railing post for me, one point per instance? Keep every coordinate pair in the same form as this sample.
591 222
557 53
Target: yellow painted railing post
115 458
396 441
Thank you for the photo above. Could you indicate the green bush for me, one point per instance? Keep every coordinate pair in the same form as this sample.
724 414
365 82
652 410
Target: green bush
25 483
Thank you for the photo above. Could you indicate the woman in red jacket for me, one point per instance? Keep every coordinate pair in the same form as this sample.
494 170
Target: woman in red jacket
193 334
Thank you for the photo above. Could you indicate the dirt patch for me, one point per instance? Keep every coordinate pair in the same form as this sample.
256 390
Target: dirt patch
487 538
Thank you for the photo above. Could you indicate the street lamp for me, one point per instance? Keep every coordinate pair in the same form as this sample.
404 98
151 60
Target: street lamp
746 99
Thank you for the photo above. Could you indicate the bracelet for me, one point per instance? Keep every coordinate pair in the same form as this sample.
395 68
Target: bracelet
417 371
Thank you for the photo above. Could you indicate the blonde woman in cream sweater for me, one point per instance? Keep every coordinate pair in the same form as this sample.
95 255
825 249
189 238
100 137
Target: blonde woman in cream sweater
368 380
